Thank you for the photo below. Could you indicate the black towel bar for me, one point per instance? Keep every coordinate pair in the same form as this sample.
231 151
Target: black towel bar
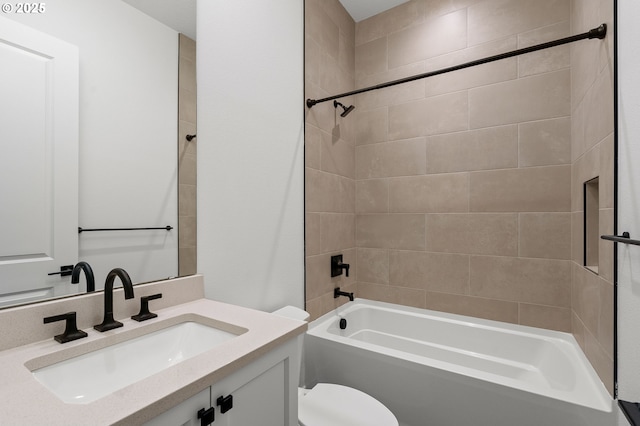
625 238
81 230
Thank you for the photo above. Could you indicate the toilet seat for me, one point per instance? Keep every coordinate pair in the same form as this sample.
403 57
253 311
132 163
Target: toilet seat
336 405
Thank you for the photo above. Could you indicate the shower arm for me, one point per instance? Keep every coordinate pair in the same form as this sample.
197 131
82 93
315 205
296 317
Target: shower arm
599 33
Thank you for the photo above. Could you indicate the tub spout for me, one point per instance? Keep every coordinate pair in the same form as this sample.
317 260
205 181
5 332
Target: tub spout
337 293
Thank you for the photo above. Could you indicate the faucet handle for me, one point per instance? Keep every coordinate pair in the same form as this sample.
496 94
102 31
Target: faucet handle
144 313
71 331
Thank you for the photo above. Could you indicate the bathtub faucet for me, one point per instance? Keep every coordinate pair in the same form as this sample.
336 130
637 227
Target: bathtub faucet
337 266
337 293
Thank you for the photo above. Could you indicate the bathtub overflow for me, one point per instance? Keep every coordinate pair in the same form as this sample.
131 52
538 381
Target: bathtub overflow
343 323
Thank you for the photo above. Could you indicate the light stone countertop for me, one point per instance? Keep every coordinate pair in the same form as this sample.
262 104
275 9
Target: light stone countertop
25 401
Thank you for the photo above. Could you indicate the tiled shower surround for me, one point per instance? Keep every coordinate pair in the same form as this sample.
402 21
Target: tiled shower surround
463 192
187 151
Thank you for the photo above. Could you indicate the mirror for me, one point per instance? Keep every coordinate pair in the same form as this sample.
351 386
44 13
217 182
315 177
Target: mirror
134 111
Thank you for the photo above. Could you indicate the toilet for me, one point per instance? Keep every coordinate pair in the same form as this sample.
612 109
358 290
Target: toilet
328 404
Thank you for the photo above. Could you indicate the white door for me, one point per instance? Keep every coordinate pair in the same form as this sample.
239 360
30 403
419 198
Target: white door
38 163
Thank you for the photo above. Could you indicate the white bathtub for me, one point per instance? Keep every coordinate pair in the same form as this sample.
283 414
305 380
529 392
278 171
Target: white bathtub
434 368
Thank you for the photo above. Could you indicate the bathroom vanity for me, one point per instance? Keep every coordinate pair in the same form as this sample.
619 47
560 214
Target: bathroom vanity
246 374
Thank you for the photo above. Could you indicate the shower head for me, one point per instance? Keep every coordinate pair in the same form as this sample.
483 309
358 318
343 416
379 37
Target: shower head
346 110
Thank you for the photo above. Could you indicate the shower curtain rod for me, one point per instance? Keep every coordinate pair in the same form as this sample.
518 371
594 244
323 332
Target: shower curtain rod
599 32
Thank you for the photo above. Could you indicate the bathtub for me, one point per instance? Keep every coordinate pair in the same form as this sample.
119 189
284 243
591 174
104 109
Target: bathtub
433 368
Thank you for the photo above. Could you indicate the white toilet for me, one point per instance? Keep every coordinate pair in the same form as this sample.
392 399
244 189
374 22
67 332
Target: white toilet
336 405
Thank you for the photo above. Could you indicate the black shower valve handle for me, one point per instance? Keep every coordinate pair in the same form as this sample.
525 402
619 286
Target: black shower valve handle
337 266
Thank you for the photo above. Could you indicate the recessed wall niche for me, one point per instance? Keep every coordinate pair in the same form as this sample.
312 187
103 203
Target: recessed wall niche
591 224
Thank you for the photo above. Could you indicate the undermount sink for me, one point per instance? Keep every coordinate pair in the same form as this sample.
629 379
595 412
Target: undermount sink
86 378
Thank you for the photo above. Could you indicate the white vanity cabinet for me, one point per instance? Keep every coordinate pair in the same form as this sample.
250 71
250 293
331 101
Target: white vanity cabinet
262 393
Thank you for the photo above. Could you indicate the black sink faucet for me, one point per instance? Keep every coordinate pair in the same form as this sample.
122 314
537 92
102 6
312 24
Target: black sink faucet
109 323
88 273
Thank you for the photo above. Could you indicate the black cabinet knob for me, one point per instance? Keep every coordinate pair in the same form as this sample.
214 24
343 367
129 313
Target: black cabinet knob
206 416
225 403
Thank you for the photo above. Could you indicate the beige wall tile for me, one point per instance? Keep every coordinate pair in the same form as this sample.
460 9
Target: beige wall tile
327 192
187 261
526 99
424 117
391 21
586 297
391 294
313 146
584 169
492 19
331 77
371 57
599 110
371 126
317 281
188 226
436 8
393 95
491 234
312 56
578 144
446 273
372 196
585 64
601 362
187 200
338 231
320 28
398 158
578 330
607 176
187 75
484 149
606 330
549 317
605 248
435 37
480 75
313 233
187 110
399 231
445 193
373 265
521 190
341 18
545 235
337 156
187 169
545 60
577 237
545 142
497 310
187 47
347 56
537 281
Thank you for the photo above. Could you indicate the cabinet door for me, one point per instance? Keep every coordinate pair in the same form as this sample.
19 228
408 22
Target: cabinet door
186 413
260 402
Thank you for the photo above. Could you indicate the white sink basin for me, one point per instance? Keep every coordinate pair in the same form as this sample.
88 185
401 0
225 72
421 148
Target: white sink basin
91 376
